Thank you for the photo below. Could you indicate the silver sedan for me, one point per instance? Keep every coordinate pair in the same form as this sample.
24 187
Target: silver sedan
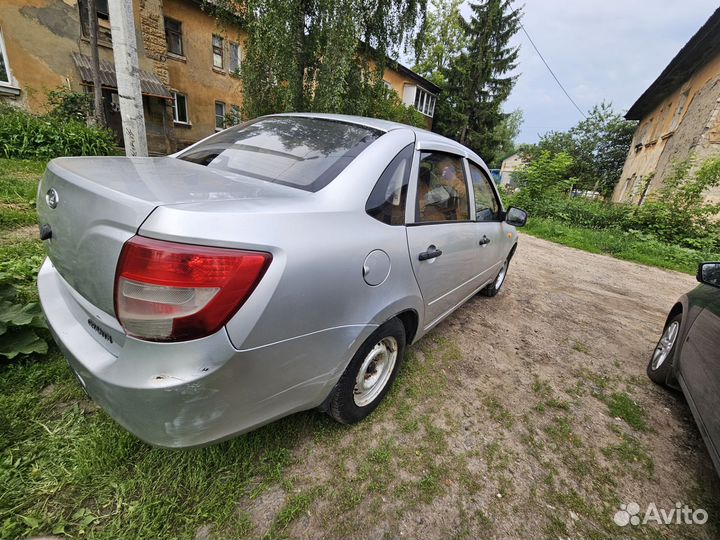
276 266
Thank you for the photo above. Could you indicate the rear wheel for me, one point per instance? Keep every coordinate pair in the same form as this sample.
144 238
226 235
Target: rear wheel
369 375
660 366
494 287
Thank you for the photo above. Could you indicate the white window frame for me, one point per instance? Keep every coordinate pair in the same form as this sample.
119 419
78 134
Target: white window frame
224 109
176 117
10 83
424 101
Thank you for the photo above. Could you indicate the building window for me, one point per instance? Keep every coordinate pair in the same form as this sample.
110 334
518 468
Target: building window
180 108
173 36
424 102
5 73
103 20
235 58
217 47
219 115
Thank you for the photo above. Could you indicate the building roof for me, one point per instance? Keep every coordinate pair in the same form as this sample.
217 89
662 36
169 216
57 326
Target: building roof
703 46
409 73
150 85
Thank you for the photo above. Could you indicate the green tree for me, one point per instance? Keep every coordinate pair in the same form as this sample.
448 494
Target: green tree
443 39
505 133
320 55
478 80
598 144
544 178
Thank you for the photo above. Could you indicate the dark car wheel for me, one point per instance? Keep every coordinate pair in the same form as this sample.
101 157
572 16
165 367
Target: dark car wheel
660 366
496 285
369 375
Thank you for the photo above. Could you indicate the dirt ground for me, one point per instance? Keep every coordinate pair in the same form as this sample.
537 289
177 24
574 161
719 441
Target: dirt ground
524 415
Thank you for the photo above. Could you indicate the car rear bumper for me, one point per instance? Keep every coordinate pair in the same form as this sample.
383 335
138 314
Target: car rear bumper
192 393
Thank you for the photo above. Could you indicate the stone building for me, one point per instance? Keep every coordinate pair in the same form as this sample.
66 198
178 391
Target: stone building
189 65
678 117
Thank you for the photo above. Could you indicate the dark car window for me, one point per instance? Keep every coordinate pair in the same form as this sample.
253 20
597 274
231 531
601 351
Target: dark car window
307 153
387 200
442 193
486 204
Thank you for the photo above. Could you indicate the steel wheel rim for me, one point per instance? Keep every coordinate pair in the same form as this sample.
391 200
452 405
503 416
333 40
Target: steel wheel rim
375 371
665 345
501 276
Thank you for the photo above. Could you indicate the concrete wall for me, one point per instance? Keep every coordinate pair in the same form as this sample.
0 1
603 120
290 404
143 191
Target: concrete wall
40 36
686 123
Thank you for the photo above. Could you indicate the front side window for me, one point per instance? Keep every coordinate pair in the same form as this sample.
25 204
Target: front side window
173 36
180 112
219 115
217 48
442 189
306 153
387 200
5 76
486 204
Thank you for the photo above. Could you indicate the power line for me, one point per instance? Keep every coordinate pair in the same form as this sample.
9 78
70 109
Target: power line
551 72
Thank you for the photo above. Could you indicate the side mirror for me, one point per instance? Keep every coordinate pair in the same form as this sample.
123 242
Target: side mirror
709 273
516 216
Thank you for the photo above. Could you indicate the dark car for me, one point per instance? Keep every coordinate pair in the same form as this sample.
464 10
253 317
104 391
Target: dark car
688 354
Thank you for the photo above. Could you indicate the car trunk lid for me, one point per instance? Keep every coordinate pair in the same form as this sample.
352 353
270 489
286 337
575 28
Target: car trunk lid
101 202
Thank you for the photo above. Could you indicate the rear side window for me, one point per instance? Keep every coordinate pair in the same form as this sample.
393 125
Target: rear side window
387 200
306 153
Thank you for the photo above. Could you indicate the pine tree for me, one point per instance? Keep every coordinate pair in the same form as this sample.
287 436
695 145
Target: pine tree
478 80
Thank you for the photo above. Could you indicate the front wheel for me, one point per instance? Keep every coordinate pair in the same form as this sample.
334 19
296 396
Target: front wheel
369 375
660 366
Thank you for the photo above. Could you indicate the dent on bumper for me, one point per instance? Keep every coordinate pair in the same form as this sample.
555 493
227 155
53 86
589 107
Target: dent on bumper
198 392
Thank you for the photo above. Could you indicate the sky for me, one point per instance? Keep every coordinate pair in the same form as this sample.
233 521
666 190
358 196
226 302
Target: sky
608 50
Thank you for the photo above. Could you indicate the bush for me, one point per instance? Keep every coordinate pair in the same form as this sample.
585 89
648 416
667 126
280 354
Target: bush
68 105
543 180
677 212
19 321
27 136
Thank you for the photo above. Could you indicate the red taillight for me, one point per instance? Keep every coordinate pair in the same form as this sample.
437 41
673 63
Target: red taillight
166 291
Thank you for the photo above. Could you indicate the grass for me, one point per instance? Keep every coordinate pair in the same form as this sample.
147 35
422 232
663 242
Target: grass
67 469
620 245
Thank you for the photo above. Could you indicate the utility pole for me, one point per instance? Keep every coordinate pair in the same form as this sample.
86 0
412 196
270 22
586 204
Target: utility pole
122 25
95 56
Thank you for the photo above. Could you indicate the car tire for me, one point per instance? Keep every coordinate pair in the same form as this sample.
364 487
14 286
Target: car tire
660 366
497 283
369 375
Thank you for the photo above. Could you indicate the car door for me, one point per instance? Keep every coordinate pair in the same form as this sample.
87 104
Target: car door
491 236
442 237
700 362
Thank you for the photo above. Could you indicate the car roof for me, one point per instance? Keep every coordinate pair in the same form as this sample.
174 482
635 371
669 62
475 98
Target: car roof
422 135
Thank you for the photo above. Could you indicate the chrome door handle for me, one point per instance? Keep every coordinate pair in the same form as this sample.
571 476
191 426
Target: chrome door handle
431 253
485 241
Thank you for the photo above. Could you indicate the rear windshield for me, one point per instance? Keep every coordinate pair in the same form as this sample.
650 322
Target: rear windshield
307 153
